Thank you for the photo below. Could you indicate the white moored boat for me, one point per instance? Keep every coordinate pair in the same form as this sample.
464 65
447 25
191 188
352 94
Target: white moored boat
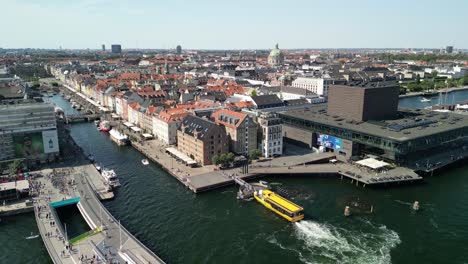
110 177
119 138
145 161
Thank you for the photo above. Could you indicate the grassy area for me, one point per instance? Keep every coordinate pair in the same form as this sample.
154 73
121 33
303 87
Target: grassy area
83 236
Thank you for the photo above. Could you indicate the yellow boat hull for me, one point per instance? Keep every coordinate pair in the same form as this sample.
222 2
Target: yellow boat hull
287 217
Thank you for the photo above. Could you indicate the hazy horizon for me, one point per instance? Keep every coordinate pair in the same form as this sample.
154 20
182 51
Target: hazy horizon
247 25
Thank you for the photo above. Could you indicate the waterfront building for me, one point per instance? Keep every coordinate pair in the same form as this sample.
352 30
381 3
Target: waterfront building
318 86
364 119
240 128
166 123
272 134
28 130
147 118
362 101
127 98
116 48
201 139
276 57
133 113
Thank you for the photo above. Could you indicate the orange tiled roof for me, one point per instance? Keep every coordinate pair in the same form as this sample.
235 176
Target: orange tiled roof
172 115
220 115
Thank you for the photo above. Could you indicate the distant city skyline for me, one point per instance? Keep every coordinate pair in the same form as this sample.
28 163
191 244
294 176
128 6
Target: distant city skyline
209 24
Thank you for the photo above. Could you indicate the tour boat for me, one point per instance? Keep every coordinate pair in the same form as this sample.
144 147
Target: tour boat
98 167
281 206
145 161
425 100
120 138
104 126
110 177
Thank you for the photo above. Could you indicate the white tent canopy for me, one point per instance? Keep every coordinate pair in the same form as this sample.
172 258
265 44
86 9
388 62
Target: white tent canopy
136 129
181 156
373 163
147 136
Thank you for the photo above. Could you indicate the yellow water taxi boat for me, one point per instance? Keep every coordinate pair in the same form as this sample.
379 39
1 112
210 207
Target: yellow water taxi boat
281 206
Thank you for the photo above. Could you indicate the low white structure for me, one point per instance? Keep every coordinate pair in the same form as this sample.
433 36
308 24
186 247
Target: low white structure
373 163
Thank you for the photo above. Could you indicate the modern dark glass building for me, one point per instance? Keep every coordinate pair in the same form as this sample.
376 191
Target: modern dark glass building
115 48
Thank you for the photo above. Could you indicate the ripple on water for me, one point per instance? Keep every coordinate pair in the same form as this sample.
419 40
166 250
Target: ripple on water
325 243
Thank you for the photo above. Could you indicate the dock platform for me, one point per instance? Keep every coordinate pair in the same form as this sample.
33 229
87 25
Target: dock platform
103 242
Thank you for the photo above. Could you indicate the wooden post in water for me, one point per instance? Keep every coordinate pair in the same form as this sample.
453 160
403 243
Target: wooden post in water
347 211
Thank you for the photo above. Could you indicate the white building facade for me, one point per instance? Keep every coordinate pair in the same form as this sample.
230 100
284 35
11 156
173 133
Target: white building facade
272 135
316 85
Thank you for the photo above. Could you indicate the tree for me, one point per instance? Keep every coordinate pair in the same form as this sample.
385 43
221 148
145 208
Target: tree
216 160
229 158
255 154
418 79
55 84
253 93
224 160
434 74
14 166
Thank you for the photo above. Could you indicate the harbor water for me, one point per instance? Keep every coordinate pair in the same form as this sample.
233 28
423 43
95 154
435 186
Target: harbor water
215 227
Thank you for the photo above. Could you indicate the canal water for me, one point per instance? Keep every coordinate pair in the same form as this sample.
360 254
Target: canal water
214 227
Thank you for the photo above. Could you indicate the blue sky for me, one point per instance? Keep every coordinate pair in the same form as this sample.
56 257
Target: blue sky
235 24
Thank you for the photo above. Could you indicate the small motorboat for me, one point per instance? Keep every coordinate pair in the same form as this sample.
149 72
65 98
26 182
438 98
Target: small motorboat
145 162
98 167
32 236
425 100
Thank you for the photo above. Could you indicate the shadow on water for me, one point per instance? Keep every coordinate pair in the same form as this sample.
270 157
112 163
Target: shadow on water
71 217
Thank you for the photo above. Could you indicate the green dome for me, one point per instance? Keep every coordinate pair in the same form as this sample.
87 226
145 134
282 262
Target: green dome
276 52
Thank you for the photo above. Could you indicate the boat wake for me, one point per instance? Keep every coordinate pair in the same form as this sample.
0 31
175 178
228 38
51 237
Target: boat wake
325 243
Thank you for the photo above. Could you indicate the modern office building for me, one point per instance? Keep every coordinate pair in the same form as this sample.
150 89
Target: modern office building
28 130
365 119
316 85
179 49
449 49
103 47
362 101
115 48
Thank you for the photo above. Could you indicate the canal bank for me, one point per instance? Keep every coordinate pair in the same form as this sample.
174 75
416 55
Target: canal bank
442 90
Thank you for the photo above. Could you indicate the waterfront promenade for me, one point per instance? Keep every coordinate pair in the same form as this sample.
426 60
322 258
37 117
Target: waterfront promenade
107 242
210 177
